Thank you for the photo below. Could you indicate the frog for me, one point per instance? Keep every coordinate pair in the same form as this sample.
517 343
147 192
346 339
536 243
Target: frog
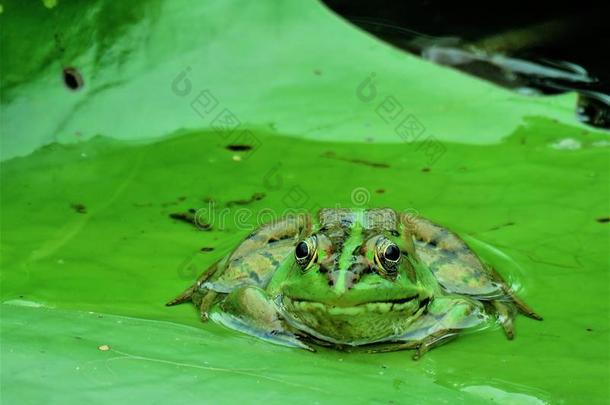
372 279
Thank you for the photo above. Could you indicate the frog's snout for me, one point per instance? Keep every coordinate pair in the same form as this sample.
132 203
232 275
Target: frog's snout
348 278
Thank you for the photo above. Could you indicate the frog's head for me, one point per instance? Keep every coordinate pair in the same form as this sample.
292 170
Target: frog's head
354 278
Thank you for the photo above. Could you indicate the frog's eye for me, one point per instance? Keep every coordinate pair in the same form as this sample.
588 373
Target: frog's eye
305 251
392 253
387 256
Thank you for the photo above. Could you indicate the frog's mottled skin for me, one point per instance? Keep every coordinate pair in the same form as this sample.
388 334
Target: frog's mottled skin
347 291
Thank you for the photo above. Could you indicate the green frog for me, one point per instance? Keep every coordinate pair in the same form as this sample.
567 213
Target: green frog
372 278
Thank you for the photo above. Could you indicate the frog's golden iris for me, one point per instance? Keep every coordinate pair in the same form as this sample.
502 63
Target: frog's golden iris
371 278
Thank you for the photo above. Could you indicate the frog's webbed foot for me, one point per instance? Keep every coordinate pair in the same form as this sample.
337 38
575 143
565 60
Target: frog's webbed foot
249 310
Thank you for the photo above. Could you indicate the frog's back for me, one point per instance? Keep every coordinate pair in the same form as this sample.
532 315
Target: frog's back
454 265
254 261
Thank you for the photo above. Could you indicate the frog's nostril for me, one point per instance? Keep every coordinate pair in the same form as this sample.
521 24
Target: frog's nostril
347 278
332 278
359 268
351 278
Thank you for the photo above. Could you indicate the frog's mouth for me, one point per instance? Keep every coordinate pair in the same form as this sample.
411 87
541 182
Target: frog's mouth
405 306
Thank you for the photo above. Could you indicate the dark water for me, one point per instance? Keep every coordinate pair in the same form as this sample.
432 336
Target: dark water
530 47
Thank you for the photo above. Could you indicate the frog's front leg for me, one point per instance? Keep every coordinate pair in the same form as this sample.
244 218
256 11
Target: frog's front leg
444 319
250 310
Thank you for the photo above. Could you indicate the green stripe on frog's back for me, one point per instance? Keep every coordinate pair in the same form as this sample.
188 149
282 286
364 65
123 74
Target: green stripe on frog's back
353 241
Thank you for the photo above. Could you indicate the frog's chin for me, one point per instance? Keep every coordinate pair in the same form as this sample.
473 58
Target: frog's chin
365 323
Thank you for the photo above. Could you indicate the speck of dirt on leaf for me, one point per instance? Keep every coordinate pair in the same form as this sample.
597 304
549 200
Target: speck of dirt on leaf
380 191
73 79
589 330
603 220
206 249
253 198
78 207
425 169
239 147
104 348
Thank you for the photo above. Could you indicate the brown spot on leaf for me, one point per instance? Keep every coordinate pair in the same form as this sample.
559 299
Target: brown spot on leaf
79 207
379 165
253 198
191 218
502 226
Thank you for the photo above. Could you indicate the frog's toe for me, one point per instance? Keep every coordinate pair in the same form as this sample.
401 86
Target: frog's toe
207 300
508 327
436 339
522 307
287 339
527 311
185 296
505 313
418 353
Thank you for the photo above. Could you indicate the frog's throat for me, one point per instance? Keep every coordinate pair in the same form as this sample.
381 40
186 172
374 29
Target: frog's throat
408 309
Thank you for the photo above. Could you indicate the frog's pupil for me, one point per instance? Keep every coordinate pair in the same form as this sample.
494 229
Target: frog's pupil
392 252
302 250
